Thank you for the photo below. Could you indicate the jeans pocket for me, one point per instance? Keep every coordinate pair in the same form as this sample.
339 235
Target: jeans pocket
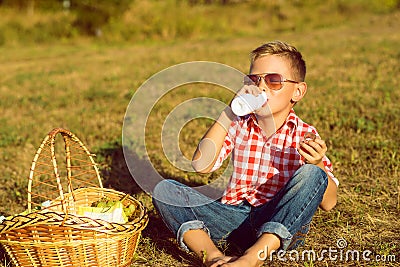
299 238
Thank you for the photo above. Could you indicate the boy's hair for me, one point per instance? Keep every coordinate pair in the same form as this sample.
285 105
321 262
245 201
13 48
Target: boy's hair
289 52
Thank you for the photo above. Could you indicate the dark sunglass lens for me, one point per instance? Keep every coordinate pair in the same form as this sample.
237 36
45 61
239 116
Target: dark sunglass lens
274 78
253 78
274 81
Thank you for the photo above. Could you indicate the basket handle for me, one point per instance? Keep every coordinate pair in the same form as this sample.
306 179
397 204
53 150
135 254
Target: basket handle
50 139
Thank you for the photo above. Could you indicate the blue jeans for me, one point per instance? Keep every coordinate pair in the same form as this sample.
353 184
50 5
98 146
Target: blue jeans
287 215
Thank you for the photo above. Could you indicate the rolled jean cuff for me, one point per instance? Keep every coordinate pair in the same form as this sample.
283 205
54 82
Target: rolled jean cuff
278 229
186 226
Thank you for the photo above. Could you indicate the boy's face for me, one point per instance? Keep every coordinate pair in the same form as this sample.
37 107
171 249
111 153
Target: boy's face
279 101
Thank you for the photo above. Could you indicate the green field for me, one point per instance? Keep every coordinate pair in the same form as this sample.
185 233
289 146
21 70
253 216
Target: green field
85 84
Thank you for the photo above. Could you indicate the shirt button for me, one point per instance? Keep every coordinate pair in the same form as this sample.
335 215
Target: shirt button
268 144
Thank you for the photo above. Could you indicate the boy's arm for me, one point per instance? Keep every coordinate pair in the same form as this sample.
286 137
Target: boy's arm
315 152
210 145
330 196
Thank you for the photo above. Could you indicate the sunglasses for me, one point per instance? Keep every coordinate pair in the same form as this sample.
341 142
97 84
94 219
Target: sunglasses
274 81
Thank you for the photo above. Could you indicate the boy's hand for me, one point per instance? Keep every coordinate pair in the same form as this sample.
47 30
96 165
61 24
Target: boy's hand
249 89
313 150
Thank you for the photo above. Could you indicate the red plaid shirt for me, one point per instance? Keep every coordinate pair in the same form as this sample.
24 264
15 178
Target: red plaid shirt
262 165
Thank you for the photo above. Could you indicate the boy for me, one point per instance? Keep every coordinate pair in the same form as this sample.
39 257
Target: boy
279 177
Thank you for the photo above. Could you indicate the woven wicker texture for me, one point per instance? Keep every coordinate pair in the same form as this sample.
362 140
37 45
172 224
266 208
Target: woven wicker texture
54 236
60 166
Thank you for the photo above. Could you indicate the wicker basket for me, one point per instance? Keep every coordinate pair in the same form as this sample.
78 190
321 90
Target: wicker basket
54 235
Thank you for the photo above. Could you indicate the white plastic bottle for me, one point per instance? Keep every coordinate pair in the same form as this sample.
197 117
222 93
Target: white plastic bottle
248 103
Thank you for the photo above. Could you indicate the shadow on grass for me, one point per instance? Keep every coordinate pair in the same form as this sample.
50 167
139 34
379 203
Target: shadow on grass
163 239
116 175
115 172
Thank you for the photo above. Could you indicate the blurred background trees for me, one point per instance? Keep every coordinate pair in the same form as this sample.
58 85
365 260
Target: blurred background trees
38 21
91 15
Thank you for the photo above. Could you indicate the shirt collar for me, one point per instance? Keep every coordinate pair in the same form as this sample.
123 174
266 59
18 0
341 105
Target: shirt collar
292 120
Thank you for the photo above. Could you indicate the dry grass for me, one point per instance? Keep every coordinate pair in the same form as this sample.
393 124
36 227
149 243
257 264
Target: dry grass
353 101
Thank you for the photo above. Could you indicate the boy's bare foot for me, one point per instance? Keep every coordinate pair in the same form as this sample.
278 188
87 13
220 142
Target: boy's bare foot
220 261
237 262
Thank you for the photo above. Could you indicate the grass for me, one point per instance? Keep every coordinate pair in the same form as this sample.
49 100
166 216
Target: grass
353 97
